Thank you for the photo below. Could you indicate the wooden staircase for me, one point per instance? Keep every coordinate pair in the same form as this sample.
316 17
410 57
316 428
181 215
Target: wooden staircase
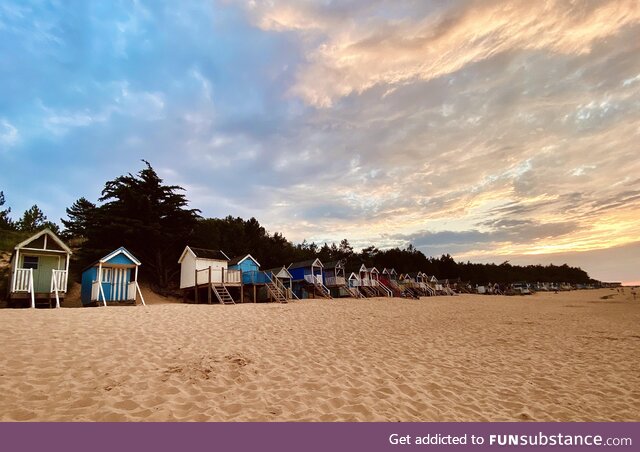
355 293
383 290
394 288
320 291
368 291
275 293
223 295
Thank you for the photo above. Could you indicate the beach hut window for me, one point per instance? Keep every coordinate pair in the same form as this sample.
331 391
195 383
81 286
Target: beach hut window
30 262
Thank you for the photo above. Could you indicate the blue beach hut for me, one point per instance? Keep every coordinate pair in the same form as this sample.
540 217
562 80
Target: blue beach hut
114 278
250 269
260 281
308 280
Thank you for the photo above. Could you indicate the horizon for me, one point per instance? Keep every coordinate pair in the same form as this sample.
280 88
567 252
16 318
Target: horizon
488 132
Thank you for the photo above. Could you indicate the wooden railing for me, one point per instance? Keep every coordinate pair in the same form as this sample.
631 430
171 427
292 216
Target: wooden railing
313 279
22 280
59 280
336 281
288 293
255 277
218 276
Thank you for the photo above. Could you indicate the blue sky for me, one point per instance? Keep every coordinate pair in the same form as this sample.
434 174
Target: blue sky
490 130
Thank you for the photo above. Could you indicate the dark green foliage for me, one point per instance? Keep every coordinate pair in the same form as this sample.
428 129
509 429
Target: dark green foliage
237 237
34 220
5 222
80 215
140 213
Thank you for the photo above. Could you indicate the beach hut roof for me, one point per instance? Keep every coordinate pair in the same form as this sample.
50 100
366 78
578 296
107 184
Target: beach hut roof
281 272
334 264
121 250
45 232
240 259
308 263
114 253
353 276
373 270
202 253
363 268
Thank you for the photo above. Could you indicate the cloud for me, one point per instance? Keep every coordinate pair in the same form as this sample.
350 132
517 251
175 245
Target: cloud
387 43
9 135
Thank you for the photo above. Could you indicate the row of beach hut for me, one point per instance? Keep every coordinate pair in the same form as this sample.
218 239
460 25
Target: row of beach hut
40 269
39 273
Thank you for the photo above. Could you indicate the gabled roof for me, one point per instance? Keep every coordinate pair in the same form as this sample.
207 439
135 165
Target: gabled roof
111 255
353 276
281 272
363 268
202 253
309 263
49 233
373 270
121 250
334 264
240 259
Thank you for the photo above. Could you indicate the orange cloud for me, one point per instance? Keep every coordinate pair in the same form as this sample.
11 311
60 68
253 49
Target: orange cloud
361 51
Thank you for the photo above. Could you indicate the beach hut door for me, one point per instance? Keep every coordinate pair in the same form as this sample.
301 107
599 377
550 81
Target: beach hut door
43 267
115 283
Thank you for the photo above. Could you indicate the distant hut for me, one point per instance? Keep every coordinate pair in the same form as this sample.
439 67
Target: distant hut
336 281
285 279
364 282
380 289
388 279
112 279
355 285
308 281
249 267
39 270
260 283
208 269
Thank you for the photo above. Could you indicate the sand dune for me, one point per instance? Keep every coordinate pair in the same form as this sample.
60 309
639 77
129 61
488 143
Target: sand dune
549 357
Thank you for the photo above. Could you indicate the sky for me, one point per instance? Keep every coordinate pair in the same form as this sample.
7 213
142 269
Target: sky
490 130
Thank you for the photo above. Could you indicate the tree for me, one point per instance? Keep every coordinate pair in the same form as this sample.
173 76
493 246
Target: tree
81 216
145 216
34 220
5 221
345 250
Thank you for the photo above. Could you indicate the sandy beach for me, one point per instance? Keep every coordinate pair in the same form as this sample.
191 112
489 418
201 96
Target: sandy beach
571 356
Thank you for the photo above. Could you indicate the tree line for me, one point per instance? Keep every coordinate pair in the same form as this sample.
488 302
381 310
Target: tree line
154 221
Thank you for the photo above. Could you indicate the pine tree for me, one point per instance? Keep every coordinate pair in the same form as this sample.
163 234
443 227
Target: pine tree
34 220
5 222
148 218
81 216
